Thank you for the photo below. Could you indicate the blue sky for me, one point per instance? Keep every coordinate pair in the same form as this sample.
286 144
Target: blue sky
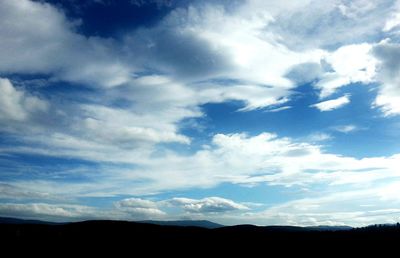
233 111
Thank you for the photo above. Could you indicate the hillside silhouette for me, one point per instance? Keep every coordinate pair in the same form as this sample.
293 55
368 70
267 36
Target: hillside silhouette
100 236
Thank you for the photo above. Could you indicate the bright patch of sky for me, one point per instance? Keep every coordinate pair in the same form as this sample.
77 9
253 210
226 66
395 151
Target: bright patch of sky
248 111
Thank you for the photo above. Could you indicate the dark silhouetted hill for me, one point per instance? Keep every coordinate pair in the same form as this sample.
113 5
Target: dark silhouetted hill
185 223
133 237
5 220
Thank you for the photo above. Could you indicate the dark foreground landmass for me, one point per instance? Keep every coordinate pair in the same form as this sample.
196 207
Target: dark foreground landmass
99 236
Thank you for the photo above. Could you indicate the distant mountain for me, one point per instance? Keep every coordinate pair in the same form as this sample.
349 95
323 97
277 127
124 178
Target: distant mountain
181 223
5 220
187 237
200 223
185 223
330 228
272 229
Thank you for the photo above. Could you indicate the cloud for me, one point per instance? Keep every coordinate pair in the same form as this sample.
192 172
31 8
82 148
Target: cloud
328 24
388 99
90 131
153 104
306 72
119 132
337 68
356 207
146 82
243 55
10 191
253 96
319 137
137 208
125 209
217 46
135 203
207 205
393 22
332 104
159 3
346 128
348 64
279 109
225 68
50 212
18 105
269 160
38 38
360 207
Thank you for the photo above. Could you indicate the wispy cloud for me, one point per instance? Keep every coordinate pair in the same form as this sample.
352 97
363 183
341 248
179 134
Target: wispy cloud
278 109
332 104
346 128
319 137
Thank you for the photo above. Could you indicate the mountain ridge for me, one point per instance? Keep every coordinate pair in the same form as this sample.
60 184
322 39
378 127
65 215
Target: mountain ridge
111 235
186 223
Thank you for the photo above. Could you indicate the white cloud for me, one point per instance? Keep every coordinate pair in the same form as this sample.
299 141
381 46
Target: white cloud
337 68
332 104
346 128
228 46
276 161
253 96
125 209
16 104
269 159
355 208
93 131
115 132
50 212
38 38
349 64
279 109
388 104
327 24
393 21
319 137
10 191
243 55
96 132
238 45
135 203
388 98
207 205
139 208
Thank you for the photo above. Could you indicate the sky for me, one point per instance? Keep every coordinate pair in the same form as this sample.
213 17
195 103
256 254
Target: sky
246 111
